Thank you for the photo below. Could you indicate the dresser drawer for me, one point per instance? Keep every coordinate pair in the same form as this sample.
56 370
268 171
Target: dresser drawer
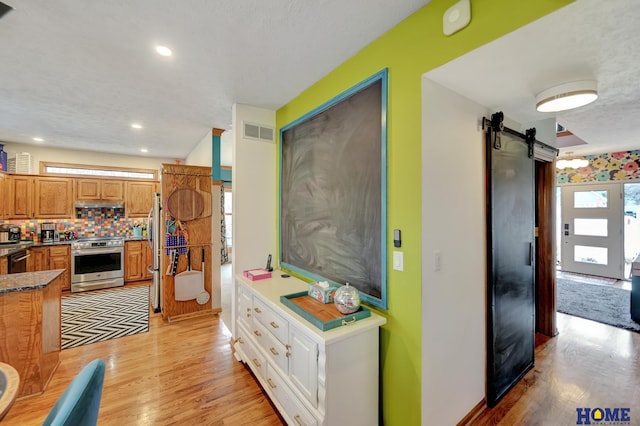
245 307
249 354
273 322
293 408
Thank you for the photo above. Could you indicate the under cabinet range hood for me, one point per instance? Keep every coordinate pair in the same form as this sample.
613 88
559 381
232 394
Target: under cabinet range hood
99 204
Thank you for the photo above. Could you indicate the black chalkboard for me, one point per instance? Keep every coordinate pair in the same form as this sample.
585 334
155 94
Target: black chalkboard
333 191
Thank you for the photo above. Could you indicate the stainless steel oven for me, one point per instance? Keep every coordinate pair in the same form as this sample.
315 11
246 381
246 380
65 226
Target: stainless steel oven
97 263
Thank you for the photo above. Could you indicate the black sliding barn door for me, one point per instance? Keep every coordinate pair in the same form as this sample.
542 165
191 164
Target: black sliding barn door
510 246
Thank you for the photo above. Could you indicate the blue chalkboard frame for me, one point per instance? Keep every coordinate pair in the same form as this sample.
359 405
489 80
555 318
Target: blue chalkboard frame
382 77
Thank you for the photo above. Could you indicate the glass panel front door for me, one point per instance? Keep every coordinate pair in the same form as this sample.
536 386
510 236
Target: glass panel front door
591 230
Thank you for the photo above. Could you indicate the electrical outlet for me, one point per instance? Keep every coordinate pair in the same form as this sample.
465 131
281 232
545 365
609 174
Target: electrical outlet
437 260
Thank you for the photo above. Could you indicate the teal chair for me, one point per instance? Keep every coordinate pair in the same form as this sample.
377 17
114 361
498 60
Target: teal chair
80 402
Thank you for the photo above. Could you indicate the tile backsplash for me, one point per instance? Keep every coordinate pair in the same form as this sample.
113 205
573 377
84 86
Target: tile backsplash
97 222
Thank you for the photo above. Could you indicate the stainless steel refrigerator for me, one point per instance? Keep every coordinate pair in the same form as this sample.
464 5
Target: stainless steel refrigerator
153 238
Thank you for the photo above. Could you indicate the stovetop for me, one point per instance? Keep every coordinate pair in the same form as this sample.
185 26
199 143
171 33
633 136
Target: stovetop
98 242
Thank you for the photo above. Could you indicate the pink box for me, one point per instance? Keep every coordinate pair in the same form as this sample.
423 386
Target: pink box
257 274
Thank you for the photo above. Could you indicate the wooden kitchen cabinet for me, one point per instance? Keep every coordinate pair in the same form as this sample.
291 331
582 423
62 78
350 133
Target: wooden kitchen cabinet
60 258
53 197
38 259
99 189
139 198
138 256
4 265
20 192
4 196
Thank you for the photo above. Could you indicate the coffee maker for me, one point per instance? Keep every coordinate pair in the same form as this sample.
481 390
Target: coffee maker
47 231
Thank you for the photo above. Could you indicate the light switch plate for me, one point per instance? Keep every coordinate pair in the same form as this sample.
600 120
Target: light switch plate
456 17
398 261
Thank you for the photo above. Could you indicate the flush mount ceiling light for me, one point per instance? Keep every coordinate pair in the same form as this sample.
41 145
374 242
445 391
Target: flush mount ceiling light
144 150
136 125
571 163
163 50
37 139
567 96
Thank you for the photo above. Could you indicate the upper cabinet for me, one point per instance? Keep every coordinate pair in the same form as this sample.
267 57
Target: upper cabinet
53 197
39 197
4 196
20 192
139 198
99 189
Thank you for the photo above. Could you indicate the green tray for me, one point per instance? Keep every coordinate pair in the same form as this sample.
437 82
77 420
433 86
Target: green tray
323 316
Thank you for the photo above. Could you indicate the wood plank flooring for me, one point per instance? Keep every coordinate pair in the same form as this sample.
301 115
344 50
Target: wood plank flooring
587 365
179 373
185 373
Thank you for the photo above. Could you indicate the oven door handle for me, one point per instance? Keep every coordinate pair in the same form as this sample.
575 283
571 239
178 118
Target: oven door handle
20 259
96 251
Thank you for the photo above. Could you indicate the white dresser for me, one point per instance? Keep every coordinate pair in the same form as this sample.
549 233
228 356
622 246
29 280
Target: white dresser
312 377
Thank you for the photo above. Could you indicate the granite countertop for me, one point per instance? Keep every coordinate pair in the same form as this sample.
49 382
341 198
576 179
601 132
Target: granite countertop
6 250
27 280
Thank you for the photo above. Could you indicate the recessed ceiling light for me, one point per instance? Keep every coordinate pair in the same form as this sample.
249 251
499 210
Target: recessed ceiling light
136 125
37 139
163 51
144 150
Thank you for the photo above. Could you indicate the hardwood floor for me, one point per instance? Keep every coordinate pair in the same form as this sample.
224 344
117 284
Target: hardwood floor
587 365
176 374
185 373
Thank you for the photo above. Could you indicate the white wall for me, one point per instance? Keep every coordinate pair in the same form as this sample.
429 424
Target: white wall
200 155
545 130
453 223
254 191
58 155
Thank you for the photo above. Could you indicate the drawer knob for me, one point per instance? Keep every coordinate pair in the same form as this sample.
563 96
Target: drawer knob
257 310
273 350
256 362
274 325
257 333
273 385
299 420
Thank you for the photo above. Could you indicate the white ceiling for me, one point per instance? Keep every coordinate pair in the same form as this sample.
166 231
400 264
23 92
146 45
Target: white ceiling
589 39
77 73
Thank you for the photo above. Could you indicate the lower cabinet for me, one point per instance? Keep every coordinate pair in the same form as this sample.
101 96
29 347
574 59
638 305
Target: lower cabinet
4 265
60 258
38 259
312 377
137 258
52 257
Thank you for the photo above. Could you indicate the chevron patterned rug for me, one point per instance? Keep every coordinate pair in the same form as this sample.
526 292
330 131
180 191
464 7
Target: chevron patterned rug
102 315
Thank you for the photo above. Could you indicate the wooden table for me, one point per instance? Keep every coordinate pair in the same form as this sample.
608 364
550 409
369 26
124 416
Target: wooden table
10 390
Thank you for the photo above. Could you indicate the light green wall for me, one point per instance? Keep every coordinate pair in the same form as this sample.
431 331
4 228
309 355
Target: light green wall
412 48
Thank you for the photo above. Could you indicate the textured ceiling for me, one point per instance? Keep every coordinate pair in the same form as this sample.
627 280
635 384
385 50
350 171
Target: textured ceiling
589 39
77 73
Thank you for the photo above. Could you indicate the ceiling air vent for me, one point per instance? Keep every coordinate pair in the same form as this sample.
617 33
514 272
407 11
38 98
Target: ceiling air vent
257 132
